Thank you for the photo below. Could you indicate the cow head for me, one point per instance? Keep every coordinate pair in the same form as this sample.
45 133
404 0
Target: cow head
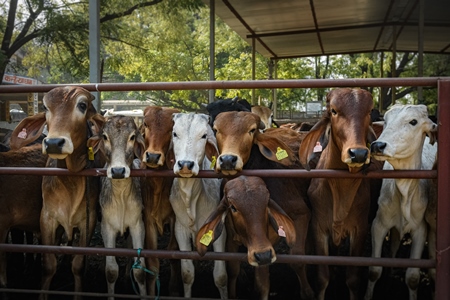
157 133
345 129
70 118
236 133
119 142
265 114
220 106
192 139
404 132
254 219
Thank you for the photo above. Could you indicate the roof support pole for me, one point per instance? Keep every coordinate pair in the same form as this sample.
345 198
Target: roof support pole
273 75
212 47
393 63
381 100
253 69
94 48
443 206
420 58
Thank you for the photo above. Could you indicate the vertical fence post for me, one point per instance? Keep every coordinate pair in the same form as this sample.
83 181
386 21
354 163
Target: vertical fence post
443 206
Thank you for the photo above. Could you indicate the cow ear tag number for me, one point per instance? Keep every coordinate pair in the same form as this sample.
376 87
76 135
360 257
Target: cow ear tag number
317 147
207 238
213 162
90 153
281 153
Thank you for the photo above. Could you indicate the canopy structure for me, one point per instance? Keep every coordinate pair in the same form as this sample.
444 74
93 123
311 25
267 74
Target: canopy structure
299 28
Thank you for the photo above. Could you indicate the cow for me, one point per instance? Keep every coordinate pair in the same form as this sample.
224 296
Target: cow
266 115
243 146
71 119
253 220
120 197
20 197
406 143
219 106
157 132
194 199
340 206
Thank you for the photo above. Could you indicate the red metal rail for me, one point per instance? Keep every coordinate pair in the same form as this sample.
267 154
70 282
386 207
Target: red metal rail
442 262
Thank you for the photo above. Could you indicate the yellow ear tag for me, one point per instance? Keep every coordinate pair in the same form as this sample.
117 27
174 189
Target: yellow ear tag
368 145
90 153
213 162
281 153
207 238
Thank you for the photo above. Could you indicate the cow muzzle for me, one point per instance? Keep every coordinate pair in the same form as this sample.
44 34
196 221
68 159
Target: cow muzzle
57 148
227 164
153 160
185 168
262 258
117 173
357 157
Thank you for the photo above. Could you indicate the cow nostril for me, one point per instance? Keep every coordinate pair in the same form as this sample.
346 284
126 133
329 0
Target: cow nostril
228 162
358 155
188 163
377 147
118 173
54 145
152 157
263 258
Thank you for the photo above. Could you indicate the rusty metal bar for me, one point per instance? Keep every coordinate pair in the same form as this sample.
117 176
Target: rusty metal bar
443 206
211 174
281 258
232 84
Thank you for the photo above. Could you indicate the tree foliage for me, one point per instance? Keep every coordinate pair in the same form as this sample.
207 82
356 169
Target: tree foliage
154 41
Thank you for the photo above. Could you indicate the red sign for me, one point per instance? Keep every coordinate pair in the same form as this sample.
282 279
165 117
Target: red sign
18 80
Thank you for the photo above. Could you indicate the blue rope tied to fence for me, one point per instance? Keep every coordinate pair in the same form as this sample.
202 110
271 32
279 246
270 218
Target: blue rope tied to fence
137 265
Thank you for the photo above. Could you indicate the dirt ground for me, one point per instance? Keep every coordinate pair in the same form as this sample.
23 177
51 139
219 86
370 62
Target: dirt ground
284 284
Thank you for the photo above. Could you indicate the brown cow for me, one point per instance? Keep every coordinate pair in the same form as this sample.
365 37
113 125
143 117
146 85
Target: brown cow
158 212
70 118
253 220
340 206
265 113
243 146
20 197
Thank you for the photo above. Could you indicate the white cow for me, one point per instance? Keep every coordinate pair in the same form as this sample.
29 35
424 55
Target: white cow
406 143
120 197
194 199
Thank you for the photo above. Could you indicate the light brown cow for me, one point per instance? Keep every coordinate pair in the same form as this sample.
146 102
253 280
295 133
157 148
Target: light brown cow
70 118
265 113
243 146
158 212
20 197
340 206
253 220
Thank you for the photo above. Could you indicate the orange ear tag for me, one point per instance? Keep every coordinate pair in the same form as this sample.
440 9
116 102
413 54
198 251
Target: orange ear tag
207 238
281 153
281 231
317 147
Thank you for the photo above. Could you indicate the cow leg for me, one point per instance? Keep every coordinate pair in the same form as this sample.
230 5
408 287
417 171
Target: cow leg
3 261
353 279
151 242
233 268
306 292
49 262
111 267
137 236
262 282
220 269
323 271
432 254
379 229
412 276
175 265
187 266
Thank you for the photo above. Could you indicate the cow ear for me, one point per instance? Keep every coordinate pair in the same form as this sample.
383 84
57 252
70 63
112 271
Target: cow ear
274 149
212 229
139 145
378 128
432 133
211 151
32 128
94 142
316 137
281 223
97 121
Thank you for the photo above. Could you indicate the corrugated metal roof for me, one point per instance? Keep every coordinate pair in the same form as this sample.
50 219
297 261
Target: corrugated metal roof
298 28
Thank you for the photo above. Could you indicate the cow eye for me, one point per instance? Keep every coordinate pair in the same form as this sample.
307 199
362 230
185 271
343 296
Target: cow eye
413 122
145 124
174 134
44 107
82 106
233 209
333 112
252 131
132 137
105 137
204 136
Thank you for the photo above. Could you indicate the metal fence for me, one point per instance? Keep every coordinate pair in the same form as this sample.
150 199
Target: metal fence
442 262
